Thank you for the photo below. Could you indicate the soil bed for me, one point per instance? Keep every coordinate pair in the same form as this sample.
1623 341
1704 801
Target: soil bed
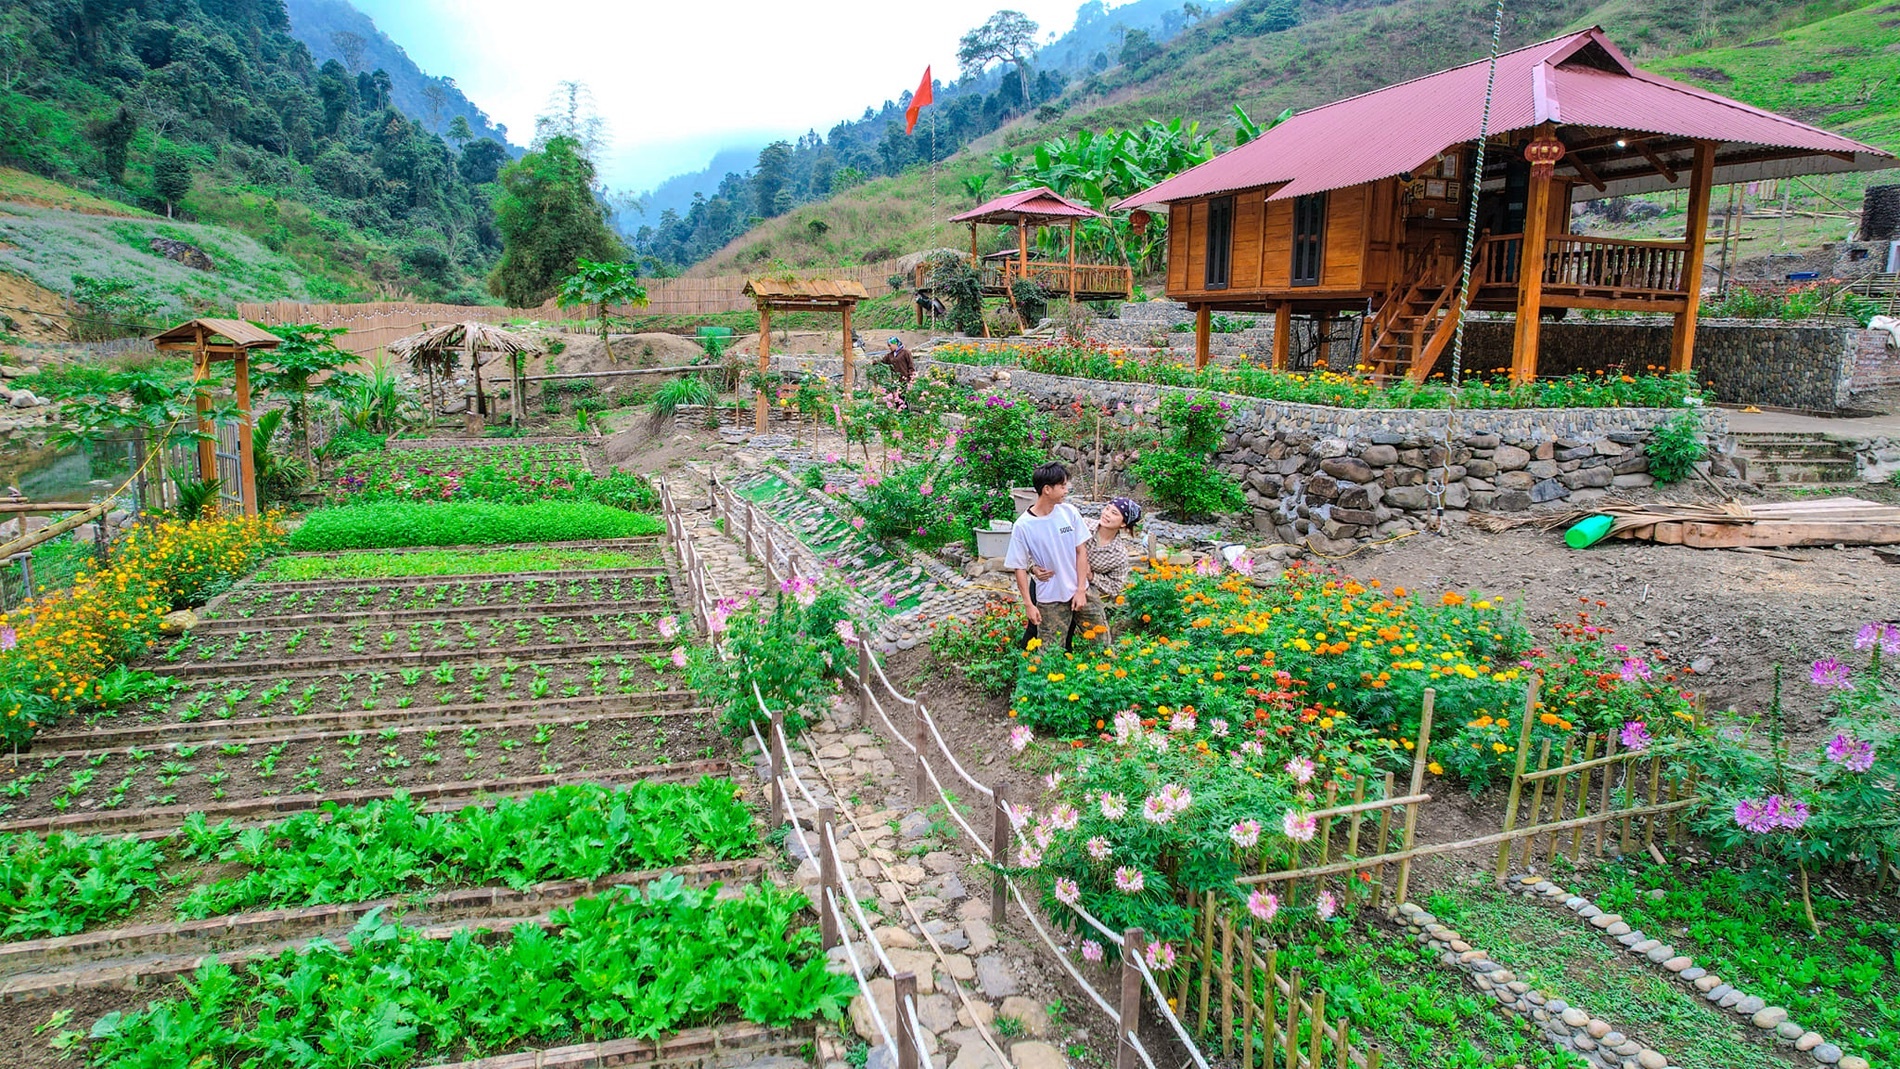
384 595
287 646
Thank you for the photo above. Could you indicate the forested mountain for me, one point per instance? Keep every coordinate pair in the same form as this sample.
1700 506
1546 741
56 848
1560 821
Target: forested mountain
333 29
212 110
678 230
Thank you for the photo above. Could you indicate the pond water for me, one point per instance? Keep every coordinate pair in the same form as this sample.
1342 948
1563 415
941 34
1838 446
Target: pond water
47 473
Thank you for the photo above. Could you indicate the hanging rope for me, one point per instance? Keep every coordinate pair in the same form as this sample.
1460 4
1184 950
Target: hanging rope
1475 184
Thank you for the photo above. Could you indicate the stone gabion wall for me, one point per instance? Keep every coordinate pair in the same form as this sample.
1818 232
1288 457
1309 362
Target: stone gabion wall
1325 477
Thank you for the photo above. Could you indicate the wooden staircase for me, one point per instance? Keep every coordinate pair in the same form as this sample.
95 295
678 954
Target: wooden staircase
1414 326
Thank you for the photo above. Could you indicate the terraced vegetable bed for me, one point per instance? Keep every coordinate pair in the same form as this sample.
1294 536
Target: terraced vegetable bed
506 590
413 635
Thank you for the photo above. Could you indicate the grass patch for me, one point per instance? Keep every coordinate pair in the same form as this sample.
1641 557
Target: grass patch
1749 928
373 565
1422 1014
392 525
1557 953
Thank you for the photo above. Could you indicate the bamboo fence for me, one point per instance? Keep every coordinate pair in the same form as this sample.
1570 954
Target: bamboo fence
374 325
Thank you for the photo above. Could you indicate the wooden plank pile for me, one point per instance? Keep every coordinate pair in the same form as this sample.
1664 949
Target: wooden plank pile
1732 525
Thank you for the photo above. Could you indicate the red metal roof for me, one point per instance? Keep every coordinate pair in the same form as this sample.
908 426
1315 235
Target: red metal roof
1580 79
1038 203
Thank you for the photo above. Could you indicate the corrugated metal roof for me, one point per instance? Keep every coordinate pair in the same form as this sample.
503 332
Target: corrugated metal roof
1038 203
1580 79
244 334
806 289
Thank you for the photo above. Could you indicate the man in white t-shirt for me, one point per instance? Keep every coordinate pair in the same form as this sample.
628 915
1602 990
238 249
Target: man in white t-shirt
1051 541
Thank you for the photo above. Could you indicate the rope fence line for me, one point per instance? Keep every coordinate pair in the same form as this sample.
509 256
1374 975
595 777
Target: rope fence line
759 534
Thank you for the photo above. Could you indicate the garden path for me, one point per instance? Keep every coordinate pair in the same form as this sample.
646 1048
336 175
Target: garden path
980 987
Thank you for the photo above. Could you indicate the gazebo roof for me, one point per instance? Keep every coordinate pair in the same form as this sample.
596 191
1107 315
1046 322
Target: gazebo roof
1040 204
806 292
241 335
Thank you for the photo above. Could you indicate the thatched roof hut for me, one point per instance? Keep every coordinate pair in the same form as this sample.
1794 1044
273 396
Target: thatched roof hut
434 352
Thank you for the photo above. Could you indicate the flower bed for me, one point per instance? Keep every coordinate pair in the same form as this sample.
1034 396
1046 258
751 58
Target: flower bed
54 650
1335 389
512 474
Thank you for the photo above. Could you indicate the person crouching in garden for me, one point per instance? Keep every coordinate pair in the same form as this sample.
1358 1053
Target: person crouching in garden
1111 552
1051 541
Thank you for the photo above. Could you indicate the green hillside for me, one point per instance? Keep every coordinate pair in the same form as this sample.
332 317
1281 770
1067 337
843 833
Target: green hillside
1338 51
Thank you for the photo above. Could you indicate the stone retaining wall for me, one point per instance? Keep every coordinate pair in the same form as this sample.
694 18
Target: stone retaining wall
1324 477
1876 361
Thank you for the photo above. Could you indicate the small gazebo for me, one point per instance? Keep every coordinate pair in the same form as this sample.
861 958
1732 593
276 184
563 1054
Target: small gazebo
434 351
1027 210
801 295
209 340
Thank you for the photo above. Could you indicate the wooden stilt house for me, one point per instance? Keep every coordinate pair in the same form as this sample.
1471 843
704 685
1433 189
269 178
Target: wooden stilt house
1362 205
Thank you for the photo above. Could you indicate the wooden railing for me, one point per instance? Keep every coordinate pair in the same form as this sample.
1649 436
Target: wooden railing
1586 263
1052 277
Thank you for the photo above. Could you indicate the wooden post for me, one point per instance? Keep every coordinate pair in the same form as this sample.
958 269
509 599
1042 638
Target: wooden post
1207 954
781 804
1226 988
1583 796
920 735
846 313
1649 824
765 365
1603 800
1269 1013
864 671
1517 777
1385 836
1537 803
1530 273
999 852
1133 944
827 877
1203 335
247 460
1418 785
1701 182
201 400
976 262
1557 807
1318 1028
1282 335
1071 261
1291 1033
908 1056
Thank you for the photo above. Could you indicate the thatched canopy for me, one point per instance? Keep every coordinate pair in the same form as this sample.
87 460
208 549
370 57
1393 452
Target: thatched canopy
436 348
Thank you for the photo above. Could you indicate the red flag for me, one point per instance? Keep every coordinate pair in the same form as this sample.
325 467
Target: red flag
917 102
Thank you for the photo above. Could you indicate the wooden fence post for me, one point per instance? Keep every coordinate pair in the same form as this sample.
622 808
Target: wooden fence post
1291 1033
827 877
1583 795
920 735
1419 760
1133 944
864 671
1537 803
1517 777
908 1055
1226 988
999 852
781 805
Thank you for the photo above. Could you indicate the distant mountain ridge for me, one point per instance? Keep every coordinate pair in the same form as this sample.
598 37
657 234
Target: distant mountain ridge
317 23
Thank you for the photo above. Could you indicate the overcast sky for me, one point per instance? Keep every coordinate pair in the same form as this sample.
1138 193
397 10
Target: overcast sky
677 81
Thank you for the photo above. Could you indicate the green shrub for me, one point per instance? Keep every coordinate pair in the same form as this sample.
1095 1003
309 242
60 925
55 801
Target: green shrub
1177 475
1675 446
393 524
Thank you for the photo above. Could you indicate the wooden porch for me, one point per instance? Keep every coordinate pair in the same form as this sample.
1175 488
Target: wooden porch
1083 282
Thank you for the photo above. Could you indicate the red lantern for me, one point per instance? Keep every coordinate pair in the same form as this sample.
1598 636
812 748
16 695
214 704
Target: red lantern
1543 154
1138 221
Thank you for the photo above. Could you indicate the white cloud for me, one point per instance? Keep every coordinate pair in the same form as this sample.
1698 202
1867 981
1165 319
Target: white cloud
679 80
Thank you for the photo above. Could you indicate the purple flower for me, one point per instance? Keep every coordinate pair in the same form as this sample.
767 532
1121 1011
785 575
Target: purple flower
890 600
1769 814
1828 672
1634 669
1634 736
1855 755
9 638
1885 634
1091 950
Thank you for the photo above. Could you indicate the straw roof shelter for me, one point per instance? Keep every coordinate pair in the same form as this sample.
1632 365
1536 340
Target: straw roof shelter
433 351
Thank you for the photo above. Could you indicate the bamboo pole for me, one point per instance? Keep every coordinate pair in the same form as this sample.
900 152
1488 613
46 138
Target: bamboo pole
1246 999
1537 800
1557 806
1207 953
1292 1031
1517 777
1583 795
1226 988
1269 1014
1418 781
1316 1028
1385 839
1603 798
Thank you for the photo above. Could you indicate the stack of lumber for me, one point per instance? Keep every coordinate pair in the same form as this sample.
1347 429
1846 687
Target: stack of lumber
1730 524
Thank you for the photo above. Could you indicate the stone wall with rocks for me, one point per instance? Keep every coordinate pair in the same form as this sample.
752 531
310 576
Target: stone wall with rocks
1773 365
1876 361
1325 477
